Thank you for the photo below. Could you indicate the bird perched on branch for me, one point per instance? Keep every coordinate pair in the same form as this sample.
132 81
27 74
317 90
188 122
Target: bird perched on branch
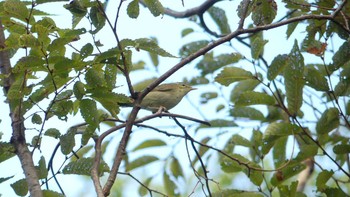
165 96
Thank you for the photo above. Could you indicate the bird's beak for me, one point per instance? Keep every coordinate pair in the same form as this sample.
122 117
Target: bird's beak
193 88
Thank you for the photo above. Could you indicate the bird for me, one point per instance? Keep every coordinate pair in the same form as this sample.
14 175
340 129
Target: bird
165 96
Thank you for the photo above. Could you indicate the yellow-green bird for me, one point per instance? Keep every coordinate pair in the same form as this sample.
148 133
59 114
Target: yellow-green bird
166 96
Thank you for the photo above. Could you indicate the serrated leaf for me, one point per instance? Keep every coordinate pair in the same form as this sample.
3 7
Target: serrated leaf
20 187
111 76
275 131
294 82
88 110
176 168
83 166
210 64
7 151
95 78
67 141
192 47
263 12
328 121
277 66
169 185
155 7
254 98
315 79
140 162
322 179
79 90
52 132
219 17
247 112
133 9
230 75
110 101
150 144
16 9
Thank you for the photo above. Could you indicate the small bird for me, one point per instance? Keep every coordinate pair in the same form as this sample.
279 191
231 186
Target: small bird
165 96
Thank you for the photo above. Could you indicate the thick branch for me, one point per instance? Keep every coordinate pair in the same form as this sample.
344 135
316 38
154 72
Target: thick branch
18 137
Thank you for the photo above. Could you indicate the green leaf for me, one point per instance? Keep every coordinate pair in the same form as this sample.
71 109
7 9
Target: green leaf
49 193
146 44
95 78
277 66
111 76
86 50
5 179
254 98
150 144
219 123
88 133
264 12
20 187
52 132
88 110
83 166
41 169
155 7
243 86
36 119
322 179
141 162
279 151
247 112
67 141
287 172
315 79
240 141
28 40
97 18
110 100
192 47
257 47
275 131
342 55
7 151
16 9
209 63
294 82
169 185
341 149
236 193
32 63
186 32
133 9
219 17
176 168
328 121
79 90
230 75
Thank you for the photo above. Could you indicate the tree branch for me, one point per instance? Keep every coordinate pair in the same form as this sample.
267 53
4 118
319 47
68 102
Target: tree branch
18 137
